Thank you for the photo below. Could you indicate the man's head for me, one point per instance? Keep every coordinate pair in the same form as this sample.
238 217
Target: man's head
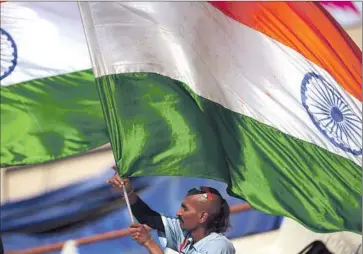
204 208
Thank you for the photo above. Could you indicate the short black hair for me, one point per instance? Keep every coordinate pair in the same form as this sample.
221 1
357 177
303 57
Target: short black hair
221 222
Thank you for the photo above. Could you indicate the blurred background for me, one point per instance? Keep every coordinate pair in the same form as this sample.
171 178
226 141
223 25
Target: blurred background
69 199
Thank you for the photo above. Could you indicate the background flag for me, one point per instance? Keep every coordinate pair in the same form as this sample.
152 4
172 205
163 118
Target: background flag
49 103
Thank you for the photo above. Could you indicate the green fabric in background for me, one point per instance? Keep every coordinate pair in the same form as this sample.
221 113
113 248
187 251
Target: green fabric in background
50 118
158 126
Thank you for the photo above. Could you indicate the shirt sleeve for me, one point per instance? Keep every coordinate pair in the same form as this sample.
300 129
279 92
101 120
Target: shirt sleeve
1 246
173 236
145 215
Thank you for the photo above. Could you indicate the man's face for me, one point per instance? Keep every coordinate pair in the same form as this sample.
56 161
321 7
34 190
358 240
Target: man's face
188 214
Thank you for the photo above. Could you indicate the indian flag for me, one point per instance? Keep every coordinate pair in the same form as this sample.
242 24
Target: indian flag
49 103
265 96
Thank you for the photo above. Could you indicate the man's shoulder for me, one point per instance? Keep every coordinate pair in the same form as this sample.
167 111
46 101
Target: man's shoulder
219 237
217 242
222 239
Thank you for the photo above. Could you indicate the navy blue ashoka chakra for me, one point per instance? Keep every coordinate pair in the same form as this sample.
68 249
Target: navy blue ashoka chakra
331 113
9 54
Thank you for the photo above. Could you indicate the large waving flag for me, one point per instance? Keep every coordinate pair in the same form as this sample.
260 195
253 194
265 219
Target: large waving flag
265 96
49 103
49 106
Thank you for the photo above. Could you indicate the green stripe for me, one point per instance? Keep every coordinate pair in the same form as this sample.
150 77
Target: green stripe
166 129
50 118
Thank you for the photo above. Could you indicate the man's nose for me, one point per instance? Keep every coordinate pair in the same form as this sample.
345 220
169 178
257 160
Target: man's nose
178 213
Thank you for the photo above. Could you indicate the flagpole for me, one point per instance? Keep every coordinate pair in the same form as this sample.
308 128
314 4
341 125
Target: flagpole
126 196
128 204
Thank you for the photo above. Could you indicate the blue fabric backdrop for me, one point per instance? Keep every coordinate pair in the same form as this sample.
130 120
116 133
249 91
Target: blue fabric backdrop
91 207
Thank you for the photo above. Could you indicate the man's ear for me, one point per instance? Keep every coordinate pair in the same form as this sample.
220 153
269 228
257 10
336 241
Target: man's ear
203 217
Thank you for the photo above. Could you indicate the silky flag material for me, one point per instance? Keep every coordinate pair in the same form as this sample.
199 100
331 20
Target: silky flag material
265 96
48 112
49 103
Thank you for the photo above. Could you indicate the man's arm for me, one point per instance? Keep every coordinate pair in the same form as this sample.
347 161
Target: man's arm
142 212
1 246
170 233
145 215
153 247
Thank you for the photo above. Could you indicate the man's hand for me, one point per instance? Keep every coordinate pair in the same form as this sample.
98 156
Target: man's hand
140 234
117 182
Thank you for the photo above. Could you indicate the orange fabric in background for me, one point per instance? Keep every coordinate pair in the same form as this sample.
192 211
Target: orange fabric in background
310 30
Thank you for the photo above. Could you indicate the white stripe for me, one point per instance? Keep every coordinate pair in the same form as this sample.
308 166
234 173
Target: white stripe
220 59
49 38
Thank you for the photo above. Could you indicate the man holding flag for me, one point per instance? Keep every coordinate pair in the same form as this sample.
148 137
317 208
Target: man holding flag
198 228
263 96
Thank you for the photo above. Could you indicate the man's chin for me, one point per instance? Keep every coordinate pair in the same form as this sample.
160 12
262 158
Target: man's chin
181 224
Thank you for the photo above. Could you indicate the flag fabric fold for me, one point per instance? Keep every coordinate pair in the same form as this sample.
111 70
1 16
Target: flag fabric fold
233 92
49 103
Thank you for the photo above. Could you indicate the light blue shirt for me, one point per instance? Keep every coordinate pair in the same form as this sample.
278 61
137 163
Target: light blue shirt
174 236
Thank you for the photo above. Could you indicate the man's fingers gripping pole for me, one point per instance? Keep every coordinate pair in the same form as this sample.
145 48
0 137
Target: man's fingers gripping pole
126 197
